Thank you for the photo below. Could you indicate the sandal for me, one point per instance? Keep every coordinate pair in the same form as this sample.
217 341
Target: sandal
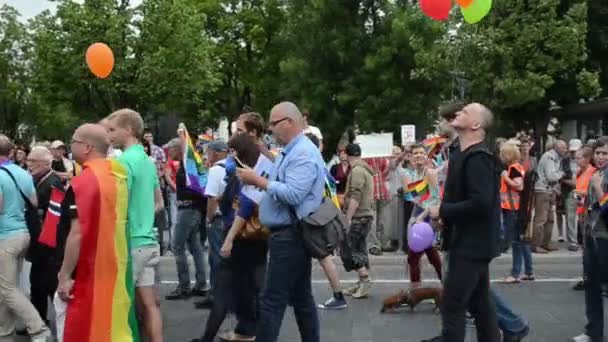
511 280
528 277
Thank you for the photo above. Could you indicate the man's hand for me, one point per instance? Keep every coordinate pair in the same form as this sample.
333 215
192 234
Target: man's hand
64 289
504 174
434 212
248 176
226 250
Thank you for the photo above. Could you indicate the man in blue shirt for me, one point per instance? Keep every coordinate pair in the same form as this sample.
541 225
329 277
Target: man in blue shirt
293 191
14 241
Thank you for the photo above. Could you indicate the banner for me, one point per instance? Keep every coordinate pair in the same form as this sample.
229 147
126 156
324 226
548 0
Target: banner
408 134
264 167
376 145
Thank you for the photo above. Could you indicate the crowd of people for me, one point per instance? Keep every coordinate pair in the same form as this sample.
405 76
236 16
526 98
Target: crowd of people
92 220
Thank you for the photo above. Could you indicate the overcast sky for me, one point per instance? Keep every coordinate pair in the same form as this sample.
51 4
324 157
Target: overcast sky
29 8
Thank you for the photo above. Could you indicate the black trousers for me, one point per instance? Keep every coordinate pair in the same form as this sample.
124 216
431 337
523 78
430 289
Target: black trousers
595 262
237 291
43 284
467 288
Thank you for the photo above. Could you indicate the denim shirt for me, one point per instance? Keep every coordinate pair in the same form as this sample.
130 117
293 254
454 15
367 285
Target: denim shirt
297 182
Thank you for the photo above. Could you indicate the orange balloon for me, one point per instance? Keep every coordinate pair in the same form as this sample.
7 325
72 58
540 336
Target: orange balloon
464 3
100 60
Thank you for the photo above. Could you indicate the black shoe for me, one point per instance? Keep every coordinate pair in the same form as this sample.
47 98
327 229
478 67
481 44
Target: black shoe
200 292
516 338
204 304
434 339
178 294
375 251
21 332
580 286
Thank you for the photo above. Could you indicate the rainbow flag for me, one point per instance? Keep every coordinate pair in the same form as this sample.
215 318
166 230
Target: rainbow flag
196 173
433 145
331 190
604 203
418 190
102 309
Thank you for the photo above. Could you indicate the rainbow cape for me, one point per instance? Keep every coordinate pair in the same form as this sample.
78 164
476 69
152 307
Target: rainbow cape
196 173
418 190
102 309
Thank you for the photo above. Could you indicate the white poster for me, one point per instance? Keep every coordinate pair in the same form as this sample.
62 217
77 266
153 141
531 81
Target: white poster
376 145
408 134
264 167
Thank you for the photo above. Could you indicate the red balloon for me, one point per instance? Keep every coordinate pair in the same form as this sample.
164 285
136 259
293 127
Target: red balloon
436 9
464 3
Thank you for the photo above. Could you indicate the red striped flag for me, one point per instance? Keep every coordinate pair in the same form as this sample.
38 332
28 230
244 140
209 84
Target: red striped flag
48 235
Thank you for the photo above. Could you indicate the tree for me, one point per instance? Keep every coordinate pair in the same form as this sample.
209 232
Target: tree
14 95
597 39
526 55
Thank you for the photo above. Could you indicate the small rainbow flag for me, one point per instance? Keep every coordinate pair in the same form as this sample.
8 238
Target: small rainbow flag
433 145
103 305
205 138
418 190
331 190
604 203
196 173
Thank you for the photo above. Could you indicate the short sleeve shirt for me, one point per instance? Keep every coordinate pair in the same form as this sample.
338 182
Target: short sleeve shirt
12 213
216 180
142 182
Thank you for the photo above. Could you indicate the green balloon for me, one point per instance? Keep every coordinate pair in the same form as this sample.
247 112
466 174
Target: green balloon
476 11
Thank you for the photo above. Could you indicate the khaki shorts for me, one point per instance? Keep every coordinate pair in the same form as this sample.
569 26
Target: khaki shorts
145 262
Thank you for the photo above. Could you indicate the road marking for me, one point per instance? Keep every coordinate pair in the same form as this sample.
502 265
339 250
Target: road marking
407 281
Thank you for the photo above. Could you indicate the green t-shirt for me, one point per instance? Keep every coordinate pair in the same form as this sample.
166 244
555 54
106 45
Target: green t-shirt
142 181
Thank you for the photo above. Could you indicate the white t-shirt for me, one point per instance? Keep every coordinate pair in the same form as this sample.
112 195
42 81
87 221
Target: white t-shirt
215 180
314 130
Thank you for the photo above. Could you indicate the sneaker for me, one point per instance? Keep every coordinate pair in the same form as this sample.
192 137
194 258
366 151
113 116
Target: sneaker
580 286
550 248
178 294
375 251
528 277
539 250
581 338
231 336
200 291
351 289
333 304
573 248
516 338
363 290
43 336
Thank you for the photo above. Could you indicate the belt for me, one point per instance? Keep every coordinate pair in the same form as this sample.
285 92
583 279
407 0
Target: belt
184 204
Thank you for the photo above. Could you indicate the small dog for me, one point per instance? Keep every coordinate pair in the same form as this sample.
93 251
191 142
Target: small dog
412 297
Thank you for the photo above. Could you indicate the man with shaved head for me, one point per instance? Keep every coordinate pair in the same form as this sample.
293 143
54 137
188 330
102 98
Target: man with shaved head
93 225
549 174
470 209
293 191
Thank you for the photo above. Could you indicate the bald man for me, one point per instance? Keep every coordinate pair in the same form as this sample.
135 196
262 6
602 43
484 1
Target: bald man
293 191
549 174
93 223
470 209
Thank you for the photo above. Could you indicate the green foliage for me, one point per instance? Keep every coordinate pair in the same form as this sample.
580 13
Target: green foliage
376 63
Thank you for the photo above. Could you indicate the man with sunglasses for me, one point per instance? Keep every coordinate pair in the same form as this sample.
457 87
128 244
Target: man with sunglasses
293 191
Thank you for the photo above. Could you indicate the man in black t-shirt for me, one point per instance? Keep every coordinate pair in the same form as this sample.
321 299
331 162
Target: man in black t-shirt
43 275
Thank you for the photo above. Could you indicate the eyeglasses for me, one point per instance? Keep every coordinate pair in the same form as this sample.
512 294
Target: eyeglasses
276 122
74 141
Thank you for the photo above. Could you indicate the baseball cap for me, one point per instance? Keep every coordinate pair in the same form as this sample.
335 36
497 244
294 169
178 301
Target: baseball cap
575 145
218 146
57 144
353 150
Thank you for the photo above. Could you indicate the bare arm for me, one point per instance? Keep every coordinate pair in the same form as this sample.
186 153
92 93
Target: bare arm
353 205
516 183
212 205
72 251
158 201
237 225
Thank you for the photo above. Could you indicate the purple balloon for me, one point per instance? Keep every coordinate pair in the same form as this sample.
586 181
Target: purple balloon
420 237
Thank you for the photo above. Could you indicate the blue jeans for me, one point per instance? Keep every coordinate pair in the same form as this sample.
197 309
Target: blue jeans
595 264
287 282
522 252
216 233
508 321
187 233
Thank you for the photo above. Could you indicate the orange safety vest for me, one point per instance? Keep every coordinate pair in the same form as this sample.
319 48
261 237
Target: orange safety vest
582 185
505 190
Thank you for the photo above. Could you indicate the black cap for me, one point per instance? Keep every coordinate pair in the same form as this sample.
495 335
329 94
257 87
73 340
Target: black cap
353 150
218 146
